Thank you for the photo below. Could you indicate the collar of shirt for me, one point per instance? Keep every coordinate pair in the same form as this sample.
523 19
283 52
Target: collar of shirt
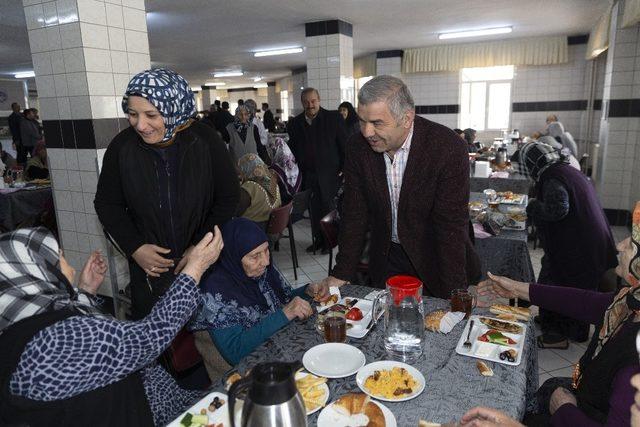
406 145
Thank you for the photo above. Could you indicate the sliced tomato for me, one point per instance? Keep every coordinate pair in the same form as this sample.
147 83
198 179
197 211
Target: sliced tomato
354 314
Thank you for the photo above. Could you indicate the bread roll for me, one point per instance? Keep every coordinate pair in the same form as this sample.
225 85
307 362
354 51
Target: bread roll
375 415
484 369
351 404
432 320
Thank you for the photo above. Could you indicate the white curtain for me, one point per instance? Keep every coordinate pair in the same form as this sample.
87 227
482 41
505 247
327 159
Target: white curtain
599 36
452 57
364 66
631 14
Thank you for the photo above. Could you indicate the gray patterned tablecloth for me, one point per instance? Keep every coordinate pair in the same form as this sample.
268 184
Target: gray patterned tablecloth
453 384
516 183
22 205
506 254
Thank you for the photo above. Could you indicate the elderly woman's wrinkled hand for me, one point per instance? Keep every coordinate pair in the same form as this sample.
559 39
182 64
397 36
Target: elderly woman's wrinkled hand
93 273
205 253
318 291
487 417
297 308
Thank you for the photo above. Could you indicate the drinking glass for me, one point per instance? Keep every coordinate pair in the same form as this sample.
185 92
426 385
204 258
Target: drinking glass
463 301
335 327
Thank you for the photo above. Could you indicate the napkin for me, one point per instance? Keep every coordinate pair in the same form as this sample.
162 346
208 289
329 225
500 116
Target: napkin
479 232
334 290
450 320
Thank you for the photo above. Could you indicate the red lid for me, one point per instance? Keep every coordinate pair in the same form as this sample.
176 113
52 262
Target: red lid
404 282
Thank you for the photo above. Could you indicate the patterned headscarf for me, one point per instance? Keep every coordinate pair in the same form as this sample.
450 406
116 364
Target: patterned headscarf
31 282
534 158
252 108
284 164
242 128
166 90
628 299
252 168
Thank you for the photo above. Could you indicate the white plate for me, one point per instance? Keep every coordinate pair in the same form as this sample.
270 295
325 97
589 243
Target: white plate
329 417
220 415
333 360
324 387
489 351
369 369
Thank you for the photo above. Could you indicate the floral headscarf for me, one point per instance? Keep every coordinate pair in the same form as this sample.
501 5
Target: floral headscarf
283 163
166 90
252 168
242 128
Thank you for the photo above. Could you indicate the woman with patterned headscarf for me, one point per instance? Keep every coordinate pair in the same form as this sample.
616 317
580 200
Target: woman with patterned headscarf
244 137
65 361
166 180
284 164
259 192
600 392
573 230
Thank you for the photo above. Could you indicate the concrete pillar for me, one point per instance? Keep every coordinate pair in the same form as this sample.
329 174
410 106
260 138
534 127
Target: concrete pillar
84 53
619 170
330 61
389 62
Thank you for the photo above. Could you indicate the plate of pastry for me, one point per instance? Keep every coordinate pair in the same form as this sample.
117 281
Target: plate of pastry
356 409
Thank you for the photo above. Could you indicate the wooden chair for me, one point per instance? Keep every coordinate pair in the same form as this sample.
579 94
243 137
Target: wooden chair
279 220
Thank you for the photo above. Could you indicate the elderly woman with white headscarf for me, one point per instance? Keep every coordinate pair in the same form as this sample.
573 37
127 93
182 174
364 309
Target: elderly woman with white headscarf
556 130
66 362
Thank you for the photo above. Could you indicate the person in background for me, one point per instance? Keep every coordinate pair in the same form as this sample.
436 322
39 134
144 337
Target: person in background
264 135
65 361
406 180
29 135
240 102
244 137
267 118
459 132
284 164
573 230
246 299
552 142
317 139
352 123
259 193
470 137
210 116
165 182
222 119
556 130
36 167
14 125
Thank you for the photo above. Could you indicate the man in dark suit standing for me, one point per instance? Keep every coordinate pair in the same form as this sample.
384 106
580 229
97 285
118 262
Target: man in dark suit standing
222 119
267 118
407 180
15 118
317 138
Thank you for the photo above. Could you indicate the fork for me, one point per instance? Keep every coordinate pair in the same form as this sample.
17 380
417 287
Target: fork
467 343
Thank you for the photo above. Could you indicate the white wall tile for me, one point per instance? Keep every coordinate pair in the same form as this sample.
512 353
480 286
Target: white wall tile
120 83
94 225
98 60
88 203
69 242
56 158
62 199
57 62
84 239
134 19
38 40
92 11
42 63
67 11
80 107
104 106
137 41
72 159
73 60
78 201
50 13
94 35
116 39
60 179
136 4
75 184
61 88
66 221
114 15
34 16
138 62
77 84
48 109
81 222
89 183
86 160
64 108
70 35
119 2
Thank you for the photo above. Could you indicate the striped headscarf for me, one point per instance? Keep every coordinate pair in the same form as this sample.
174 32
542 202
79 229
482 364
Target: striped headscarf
532 159
31 282
627 301
166 90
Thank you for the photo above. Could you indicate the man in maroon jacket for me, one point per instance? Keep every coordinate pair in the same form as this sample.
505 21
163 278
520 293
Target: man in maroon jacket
407 180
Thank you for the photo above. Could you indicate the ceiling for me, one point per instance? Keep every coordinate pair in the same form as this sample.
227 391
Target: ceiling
197 37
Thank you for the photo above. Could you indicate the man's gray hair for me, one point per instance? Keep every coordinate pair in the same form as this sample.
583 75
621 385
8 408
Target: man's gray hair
390 90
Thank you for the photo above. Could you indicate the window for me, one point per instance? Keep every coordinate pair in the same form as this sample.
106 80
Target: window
485 97
284 103
359 83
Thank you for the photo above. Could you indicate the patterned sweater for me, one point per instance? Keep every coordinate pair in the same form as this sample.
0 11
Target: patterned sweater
83 353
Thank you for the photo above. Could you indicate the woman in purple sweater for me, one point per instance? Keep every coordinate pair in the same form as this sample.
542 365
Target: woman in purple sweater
600 392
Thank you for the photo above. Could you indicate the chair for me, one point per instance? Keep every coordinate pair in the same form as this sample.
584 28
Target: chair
329 227
301 203
279 220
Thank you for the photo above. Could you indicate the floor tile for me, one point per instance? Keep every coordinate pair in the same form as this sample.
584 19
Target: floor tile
550 361
563 372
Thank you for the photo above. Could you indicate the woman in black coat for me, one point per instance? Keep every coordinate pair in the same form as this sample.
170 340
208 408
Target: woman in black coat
165 182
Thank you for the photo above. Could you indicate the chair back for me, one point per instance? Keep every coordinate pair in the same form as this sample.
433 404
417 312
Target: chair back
300 202
182 353
279 219
329 225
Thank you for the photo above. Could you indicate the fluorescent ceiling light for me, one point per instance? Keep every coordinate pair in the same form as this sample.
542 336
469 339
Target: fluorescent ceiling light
475 33
195 89
24 74
278 52
260 85
228 74
215 84
257 79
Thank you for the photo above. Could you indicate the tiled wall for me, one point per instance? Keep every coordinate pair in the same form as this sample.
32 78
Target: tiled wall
294 85
330 62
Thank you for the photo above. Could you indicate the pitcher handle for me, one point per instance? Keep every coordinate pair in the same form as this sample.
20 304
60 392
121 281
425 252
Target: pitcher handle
376 302
234 390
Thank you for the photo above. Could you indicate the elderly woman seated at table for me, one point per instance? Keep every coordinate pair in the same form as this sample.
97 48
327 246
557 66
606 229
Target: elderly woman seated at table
259 192
246 299
64 361
600 391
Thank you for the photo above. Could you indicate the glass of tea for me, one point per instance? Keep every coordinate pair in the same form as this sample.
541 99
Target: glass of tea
463 301
335 327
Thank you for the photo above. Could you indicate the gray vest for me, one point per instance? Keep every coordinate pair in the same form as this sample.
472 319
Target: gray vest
239 148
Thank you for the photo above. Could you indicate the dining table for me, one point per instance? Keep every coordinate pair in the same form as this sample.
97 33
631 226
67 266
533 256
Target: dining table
18 205
514 182
506 254
453 382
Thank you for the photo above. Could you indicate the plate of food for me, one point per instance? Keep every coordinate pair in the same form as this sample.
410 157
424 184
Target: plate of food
333 360
493 339
511 198
358 312
356 409
212 410
390 381
314 391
